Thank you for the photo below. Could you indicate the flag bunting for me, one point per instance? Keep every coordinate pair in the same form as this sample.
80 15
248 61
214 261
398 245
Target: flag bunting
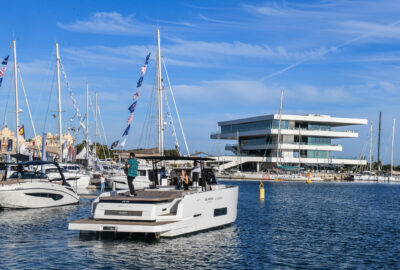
72 96
114 144
3 68
132 107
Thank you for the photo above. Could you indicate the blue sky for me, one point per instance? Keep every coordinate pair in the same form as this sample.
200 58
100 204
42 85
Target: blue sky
225 59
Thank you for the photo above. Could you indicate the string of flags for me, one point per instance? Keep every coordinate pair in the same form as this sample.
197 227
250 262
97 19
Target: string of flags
71 94
3 68
132 107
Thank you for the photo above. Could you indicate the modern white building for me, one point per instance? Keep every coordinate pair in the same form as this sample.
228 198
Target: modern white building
305 140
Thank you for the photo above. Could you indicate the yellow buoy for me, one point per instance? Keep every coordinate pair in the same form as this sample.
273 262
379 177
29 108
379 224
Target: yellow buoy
308 178
262 192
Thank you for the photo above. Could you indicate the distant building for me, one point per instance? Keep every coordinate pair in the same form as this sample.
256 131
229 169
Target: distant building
8 142
305 139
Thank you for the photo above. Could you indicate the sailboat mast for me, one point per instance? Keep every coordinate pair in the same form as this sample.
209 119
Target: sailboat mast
219 146
87 121
391 163
95 126
370 148
279 127
159 98
16 98
59 102
379 141
238 148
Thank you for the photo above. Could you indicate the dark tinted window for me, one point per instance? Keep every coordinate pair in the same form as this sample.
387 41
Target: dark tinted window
55 197
220 211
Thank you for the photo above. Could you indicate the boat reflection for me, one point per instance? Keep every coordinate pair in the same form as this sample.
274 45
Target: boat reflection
34 217
199 249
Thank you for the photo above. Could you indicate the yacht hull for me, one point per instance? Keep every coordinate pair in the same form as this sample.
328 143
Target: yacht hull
193 212
35 195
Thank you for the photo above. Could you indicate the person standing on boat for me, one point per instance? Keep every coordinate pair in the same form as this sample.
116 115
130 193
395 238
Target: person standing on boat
195 169
132 172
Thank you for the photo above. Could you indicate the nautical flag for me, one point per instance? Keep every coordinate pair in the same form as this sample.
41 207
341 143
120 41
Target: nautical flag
114 144
3 69
147 59
132 107
4 62
139 83
129 119
126 130
21 131
136 95
122 144
143 69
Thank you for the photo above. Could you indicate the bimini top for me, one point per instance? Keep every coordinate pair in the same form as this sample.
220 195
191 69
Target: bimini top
176 158
31 163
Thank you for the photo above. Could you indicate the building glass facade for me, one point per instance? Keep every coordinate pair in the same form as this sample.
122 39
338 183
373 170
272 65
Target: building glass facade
258 125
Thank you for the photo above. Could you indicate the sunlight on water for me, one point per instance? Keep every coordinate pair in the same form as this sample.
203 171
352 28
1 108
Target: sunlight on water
323 225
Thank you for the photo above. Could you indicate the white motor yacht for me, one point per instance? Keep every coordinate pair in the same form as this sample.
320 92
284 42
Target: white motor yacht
32 189
165 211
73 175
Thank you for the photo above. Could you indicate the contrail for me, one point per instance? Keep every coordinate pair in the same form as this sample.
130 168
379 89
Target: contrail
324 52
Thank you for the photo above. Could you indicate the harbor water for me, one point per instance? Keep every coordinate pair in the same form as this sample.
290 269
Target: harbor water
298 225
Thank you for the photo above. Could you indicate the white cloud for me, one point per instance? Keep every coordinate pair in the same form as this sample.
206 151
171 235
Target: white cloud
108 23
375 32
189 53
249 93
293 9
269 9
211 20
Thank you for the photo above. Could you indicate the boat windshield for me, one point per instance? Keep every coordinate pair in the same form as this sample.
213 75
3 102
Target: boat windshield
55 170
27 175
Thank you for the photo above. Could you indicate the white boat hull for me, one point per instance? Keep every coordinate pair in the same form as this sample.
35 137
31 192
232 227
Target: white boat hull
37 194
80 184
77 181
195 211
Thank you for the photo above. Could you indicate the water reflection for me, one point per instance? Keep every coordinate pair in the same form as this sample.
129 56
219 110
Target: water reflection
196 250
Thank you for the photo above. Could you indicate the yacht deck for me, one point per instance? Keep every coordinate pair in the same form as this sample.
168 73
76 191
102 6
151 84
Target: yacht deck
150 196
119 222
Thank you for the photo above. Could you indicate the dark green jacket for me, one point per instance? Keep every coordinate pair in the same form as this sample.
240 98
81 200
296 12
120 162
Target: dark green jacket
133 167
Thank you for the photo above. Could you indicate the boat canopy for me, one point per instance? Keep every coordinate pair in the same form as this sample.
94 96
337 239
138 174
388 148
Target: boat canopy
4 166
34 163
160 158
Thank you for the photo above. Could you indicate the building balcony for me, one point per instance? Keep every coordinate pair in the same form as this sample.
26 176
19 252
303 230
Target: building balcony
288 146
288 131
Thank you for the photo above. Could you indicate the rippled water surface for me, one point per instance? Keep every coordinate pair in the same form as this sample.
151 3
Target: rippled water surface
322 225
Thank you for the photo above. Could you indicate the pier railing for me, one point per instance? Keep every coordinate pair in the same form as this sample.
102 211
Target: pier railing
215 134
